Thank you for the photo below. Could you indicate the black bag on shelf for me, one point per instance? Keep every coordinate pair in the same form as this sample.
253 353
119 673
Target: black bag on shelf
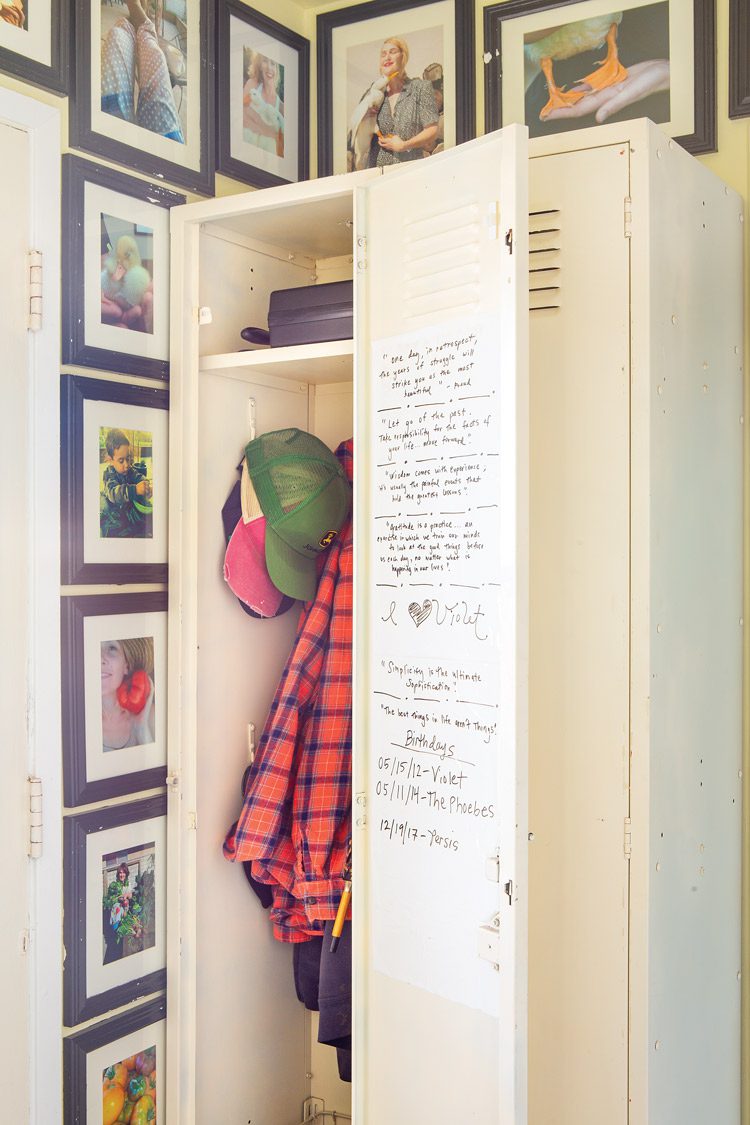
310 314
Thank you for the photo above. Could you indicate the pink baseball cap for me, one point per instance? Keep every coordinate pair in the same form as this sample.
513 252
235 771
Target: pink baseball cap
245 568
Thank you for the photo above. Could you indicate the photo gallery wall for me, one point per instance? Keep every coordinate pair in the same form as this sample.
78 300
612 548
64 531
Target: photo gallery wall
171 92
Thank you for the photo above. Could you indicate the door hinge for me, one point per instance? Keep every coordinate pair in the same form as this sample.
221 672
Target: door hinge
628 216
35 291
361 253
489 941
627 839
34 848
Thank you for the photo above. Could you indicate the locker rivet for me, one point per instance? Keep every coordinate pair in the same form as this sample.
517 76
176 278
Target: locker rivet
701 871
739 976
705 388
702 848
658 867
739 773
742 419
674 320
660 389
531 837
742 621
705 365
657 1045
658 628
658 154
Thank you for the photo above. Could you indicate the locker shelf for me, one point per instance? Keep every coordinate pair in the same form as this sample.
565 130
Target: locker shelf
330 362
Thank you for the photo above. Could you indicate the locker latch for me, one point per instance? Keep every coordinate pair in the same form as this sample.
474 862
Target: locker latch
489 941
509 240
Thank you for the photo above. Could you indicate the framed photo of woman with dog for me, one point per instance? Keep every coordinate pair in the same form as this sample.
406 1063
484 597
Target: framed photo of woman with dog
395 82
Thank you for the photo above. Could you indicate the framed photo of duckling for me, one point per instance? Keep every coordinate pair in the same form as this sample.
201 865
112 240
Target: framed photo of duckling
144 87
395 82
114 681
114 471
556 65
263 99
34 42
115 311
118 1062
114 900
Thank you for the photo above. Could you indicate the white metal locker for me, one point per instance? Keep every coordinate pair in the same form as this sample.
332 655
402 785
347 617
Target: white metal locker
634 642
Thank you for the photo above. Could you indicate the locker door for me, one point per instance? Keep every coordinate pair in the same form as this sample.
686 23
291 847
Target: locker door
441 638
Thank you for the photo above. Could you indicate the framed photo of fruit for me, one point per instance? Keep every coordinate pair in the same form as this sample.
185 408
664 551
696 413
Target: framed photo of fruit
114 900
114 675
117 1067
114 470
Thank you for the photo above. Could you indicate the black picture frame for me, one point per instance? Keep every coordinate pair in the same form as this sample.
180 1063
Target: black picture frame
739 58
327 24
84 338
140 151
703 137
77 566
265 29
82 878
79 788
77 1049
55 75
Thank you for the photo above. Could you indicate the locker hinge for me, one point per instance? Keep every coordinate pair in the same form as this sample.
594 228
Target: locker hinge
627 842
204 314
34 322
34 848
361 810
361 253
489 941
628 216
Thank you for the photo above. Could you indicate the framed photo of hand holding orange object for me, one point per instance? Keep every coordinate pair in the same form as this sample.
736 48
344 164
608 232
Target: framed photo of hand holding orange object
556 65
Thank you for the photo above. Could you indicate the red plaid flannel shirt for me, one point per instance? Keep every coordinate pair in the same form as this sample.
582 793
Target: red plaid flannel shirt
296 813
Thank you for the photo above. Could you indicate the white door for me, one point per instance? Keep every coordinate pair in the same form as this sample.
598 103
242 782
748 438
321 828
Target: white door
14 615
441 640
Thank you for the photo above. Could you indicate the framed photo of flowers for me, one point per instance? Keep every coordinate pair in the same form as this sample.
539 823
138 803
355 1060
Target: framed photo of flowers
114 676
114 472
263 76
118 1062
144 87
556 65
114 907
395 82
34 42
115 311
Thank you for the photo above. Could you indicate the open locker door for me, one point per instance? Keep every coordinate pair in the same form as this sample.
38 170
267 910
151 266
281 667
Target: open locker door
441 626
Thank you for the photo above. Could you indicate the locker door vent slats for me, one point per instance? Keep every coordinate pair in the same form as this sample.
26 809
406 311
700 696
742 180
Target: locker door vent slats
545 256
442 260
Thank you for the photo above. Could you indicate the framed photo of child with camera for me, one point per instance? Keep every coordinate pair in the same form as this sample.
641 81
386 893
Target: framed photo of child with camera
114 481
115 309
114 679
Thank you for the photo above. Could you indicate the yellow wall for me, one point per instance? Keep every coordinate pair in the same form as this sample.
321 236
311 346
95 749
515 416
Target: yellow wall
731 162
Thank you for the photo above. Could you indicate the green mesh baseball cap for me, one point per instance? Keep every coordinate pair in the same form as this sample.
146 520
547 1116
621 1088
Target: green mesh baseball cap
306 498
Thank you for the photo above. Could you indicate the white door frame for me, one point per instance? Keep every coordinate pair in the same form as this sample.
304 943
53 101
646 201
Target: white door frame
42 123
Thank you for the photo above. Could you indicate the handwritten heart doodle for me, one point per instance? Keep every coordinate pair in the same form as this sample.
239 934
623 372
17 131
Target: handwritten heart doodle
420 613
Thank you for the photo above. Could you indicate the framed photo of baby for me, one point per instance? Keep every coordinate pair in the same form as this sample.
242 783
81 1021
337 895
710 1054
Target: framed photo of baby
116 264
569 64
114 464
389 77
263 83
114 680
143 94
114 907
